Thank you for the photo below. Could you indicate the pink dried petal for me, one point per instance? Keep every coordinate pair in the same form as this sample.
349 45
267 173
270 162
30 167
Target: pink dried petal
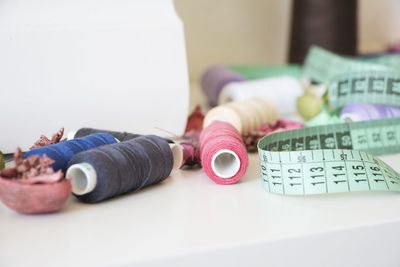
251 139
45 162
21 168
43 178
9 172
32 173
56 138
195 120
18 157
45 141
30 168
33 160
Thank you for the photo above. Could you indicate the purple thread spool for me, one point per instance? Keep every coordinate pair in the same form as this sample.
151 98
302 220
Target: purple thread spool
366 112
214 79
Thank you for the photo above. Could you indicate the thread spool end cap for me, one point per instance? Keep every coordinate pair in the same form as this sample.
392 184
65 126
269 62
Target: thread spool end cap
83 178
225 163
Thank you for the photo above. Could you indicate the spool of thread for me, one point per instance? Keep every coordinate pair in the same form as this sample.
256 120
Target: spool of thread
62 152
244 115
214 79
121 136
223 154
366 112
331 24
116 169
177 149
222 150
281 91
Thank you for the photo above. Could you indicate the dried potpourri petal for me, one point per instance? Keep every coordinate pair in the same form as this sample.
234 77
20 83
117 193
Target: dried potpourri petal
195 120
34 169
251 139
191 148
32 186
190 139
45 141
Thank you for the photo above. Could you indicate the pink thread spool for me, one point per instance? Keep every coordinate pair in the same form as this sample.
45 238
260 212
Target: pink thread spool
223 154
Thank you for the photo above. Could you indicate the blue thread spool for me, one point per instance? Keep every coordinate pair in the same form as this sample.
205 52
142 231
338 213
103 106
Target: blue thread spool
62 152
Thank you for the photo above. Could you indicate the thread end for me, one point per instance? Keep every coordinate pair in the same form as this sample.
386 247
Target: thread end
225 163
83 178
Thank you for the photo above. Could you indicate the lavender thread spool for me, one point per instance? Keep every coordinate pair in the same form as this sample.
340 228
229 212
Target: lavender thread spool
365 112
214 79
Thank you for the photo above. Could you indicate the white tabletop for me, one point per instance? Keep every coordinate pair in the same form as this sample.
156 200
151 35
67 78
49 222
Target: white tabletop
188 220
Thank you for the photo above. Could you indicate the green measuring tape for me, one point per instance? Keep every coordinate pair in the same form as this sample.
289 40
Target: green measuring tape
378 87
254 72
322 66
337 157
332 158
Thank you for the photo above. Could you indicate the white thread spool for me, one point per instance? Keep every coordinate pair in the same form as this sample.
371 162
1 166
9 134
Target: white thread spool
281 91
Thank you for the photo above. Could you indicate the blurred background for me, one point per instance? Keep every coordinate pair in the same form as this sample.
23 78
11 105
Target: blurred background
257 31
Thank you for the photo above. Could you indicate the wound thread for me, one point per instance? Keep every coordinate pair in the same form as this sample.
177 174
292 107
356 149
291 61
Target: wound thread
223 154
62 152
120 168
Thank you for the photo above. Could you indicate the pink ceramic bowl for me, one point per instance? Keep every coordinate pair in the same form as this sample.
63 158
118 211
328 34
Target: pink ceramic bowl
34 198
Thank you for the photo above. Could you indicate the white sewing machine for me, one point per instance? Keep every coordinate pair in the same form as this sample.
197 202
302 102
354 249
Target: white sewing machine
112 64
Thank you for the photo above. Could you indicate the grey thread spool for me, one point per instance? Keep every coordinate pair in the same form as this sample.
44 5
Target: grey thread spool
331 24
113 170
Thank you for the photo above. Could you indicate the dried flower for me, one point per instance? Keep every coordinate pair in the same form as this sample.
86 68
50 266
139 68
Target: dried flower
195 120
251 139
34 169
190 139
45 141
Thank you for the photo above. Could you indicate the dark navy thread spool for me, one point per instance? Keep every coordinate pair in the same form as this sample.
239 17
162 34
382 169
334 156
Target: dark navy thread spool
121 136
116 169
62 152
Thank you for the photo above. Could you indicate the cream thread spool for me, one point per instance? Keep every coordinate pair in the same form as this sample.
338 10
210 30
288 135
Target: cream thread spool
244 115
